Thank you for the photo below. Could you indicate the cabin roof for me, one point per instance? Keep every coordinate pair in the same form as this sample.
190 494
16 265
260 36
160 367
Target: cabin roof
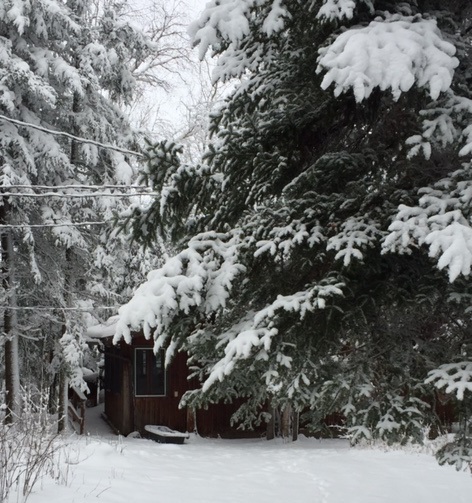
103 330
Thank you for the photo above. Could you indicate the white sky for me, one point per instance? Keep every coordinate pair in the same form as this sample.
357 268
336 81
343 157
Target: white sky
168 110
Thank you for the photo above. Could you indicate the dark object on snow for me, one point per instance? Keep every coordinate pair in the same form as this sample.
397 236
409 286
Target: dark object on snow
164 435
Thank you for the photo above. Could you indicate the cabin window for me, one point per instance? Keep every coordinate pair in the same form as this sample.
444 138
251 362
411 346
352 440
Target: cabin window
149 373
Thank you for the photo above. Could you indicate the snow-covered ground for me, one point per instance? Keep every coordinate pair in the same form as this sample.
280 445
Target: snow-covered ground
101 467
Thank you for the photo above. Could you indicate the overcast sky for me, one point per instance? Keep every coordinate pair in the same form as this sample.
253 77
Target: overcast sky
165 111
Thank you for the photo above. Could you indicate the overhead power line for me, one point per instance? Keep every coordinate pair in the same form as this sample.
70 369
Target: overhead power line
39 226
71 136
74 187
76 196
52 308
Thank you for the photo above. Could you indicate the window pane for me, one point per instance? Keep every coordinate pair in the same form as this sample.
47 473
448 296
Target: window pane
140 372
150 377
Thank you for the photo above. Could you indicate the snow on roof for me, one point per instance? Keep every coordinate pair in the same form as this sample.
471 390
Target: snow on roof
103 330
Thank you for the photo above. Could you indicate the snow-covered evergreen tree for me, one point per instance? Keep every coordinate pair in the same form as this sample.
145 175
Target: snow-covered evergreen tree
64 66
344 142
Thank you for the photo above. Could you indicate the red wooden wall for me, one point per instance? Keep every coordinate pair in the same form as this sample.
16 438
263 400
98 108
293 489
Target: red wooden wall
129 413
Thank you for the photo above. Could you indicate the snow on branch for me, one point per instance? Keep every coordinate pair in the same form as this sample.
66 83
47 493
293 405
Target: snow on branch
451 240
393 53
301 302
455 377
256 331
229 21
239 343
340 9
440 221
454 245
337 9
226 19
274 22
73 347
283 240
356 234
201 276
444 123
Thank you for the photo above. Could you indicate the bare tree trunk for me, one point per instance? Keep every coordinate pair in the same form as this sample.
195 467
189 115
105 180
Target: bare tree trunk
12 373
285 420
270 433
12 384
52 401
63 401
295 425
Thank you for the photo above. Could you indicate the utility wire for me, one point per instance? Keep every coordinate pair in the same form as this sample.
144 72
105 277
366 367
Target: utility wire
75 187
71 136
73 196
51 308
65 224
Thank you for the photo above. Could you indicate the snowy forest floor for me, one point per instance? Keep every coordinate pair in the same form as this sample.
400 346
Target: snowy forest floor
110 469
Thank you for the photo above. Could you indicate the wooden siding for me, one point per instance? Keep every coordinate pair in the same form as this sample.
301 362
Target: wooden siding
117 394
216 421
129 413
164 410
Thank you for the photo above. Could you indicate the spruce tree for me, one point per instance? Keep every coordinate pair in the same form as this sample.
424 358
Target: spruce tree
303 275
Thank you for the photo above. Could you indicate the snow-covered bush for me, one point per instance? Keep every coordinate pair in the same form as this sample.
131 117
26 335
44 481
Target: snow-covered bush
457 453
456 380
27 446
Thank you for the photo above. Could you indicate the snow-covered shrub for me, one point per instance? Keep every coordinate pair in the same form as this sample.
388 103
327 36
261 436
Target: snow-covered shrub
456 380
27 447
457 453
363 405
396 418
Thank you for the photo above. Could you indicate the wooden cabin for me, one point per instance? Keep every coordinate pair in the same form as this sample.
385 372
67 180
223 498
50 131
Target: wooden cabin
140 391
